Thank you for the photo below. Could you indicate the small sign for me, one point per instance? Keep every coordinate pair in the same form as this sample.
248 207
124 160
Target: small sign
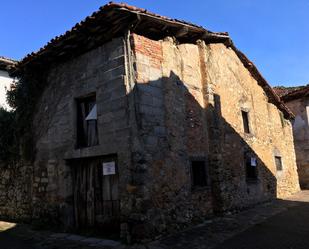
253 161
109 168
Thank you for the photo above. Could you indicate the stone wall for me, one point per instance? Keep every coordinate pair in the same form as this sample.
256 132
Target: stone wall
269 136
301 137
173 131
15 191
190 98
100 71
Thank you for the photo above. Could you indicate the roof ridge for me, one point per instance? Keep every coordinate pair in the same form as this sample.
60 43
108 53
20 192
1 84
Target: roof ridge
101 10
133 16
8 59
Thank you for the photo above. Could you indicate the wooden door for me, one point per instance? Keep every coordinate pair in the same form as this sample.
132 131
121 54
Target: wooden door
96 198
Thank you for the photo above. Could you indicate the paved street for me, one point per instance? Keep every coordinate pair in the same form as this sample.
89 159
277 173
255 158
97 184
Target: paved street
8 241
282 224
287 230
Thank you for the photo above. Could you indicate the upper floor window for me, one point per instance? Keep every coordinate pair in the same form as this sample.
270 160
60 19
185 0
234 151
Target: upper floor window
87 130
278 162
307 112
245 120
282 119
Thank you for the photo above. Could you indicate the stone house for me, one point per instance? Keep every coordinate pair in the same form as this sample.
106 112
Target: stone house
5 80
146 124
297 99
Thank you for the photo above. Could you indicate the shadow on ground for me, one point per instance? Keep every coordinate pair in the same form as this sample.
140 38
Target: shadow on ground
11 237
281 224
288 229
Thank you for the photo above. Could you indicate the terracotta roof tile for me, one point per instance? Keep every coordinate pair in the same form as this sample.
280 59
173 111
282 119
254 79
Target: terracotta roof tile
5 63
291 93
115 19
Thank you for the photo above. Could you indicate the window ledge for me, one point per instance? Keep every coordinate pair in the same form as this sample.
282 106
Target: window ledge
84 152
252 181
248 135
200 189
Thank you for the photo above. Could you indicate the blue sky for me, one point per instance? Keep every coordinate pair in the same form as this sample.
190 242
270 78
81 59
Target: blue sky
274 34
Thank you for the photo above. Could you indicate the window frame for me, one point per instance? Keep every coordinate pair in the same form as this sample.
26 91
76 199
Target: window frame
252 173
205 179
245 121
82 132
280 168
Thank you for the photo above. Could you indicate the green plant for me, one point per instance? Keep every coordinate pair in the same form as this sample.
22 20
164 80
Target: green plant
23 98
8 141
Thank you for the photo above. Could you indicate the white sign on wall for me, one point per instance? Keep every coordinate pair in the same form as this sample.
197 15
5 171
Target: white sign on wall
109 168
253 161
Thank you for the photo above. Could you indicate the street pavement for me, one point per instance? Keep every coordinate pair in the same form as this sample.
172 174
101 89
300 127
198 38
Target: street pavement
281 224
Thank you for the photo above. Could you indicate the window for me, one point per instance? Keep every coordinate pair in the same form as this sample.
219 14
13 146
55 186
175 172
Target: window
199 174
278 162
251 167
307 112
282 119
87 131
245 120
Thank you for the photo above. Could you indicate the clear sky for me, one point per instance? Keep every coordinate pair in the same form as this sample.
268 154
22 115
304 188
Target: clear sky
274 34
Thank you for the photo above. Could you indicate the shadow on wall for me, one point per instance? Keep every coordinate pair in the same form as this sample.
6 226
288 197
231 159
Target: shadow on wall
174 131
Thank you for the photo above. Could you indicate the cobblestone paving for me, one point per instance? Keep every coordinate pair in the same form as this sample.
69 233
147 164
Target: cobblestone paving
21 237
287 230
262 227
282 224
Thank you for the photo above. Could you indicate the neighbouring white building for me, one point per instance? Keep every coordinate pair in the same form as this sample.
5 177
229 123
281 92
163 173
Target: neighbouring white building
5 80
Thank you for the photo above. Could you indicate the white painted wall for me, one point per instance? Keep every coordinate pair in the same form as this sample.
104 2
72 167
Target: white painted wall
5 83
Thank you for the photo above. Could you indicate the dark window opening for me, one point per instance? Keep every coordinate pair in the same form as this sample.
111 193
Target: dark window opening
282 119
278 163
87 130
245 119
199 174
251 167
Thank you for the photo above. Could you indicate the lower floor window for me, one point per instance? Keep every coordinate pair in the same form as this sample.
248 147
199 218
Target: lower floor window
251 166
198 174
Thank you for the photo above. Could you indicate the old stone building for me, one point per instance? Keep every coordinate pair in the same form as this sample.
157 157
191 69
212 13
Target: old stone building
146 124
297 99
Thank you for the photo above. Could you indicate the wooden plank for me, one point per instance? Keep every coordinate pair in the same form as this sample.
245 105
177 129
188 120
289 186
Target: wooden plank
90 195
75 194
114 187
83 194
106 188
108 209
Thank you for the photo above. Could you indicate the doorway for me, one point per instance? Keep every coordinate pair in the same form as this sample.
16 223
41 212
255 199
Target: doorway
95 192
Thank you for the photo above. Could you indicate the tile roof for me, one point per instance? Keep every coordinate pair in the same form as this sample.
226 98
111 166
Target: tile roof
114 20
291 93
5 63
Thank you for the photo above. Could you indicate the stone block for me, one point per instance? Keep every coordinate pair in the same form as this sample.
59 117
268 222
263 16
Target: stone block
151 90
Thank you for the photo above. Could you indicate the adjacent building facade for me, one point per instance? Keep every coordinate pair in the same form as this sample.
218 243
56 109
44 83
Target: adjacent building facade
5 80
297 99
147 124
